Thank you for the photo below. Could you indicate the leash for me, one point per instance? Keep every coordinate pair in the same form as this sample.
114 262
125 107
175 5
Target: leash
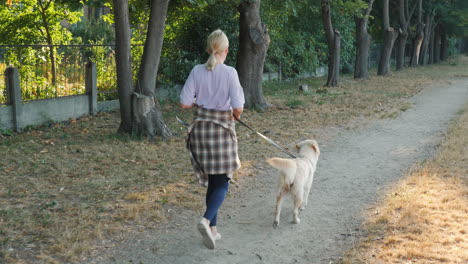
269 140
182 121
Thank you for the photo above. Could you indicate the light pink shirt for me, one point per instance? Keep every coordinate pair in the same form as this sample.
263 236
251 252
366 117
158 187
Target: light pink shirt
218 89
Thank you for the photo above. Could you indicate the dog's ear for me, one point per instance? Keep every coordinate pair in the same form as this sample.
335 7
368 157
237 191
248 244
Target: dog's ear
315 147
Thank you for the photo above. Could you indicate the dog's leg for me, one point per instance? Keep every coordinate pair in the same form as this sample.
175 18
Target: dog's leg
298 195
279 201
306 193
297 205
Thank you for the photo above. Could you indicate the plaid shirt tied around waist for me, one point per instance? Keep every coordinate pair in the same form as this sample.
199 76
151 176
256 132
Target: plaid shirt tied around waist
212 143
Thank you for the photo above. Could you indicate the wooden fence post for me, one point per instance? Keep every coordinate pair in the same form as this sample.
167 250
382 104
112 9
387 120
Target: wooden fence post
14 95
91 87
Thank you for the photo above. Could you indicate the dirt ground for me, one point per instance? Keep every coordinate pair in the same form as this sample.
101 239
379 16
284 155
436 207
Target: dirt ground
354 168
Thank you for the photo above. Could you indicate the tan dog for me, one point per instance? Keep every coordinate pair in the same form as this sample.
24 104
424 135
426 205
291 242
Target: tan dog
295 177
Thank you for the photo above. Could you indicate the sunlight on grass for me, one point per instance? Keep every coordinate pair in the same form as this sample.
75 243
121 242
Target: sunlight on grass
423 219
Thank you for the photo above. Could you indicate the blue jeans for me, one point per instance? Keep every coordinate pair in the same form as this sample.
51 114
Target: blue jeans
218 185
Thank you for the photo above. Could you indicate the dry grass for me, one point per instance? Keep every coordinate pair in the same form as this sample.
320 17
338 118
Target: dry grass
423 219
64 187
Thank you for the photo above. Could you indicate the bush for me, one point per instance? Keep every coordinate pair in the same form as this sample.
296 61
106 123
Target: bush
92 31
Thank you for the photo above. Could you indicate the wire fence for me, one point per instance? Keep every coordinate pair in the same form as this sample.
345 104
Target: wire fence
50 71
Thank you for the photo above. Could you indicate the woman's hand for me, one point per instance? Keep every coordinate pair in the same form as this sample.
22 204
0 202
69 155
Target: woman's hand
185 106
237 112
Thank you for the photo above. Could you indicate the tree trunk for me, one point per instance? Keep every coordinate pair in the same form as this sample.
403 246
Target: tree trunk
437 39
123 64
253 45
401 50
390 36
139 110
444 45
431 45
147 116
423 59
419 37
361 65
405 19
417 45
334 44
334 58
384 63
43 9
363 41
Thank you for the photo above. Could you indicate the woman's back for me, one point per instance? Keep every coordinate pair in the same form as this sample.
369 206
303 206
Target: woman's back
218 89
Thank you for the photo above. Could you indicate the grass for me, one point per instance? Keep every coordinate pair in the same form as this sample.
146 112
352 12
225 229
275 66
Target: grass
65 187
423 219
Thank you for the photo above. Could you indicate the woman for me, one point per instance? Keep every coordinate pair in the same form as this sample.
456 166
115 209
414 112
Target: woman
214 90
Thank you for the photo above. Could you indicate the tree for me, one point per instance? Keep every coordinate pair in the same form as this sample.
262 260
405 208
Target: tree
297 45
437 45
334 44
253 45
390 36
428 29
123 64
448 20
188 25
417 43
139 108
43 10
405 19
445 20
37 22
444 44
431 44
363 40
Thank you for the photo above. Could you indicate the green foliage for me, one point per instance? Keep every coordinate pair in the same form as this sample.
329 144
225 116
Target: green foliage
349 9
295 27
103 57
294 103
187 27
343 13
92 31
23 23
294 46
455 16
26 23
6 132
298 39
452 46
33 65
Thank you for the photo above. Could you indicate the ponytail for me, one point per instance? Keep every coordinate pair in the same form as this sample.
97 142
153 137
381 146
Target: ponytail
211 62
217 42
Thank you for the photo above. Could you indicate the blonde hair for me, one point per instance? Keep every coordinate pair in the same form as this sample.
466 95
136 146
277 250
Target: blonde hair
217 42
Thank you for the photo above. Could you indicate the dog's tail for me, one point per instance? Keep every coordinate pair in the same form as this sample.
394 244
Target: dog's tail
287 166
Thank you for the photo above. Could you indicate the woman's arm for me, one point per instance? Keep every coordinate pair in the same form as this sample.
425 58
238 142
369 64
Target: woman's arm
236 93
237 112
187 95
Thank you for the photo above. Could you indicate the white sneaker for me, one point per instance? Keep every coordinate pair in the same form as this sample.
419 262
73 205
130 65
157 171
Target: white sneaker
205 230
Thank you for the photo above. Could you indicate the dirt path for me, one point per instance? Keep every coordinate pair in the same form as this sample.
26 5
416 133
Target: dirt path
351 172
